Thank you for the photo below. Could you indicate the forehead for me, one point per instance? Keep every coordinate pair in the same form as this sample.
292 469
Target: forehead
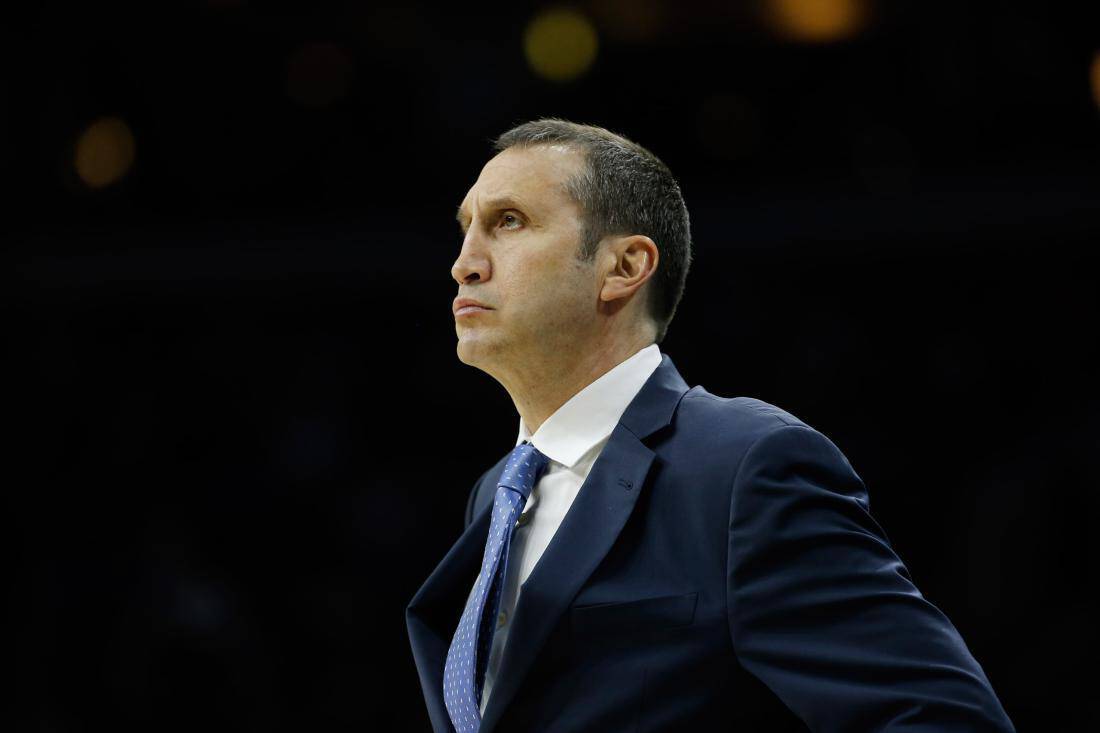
535 175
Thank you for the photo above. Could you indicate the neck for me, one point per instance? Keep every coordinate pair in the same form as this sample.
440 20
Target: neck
539 390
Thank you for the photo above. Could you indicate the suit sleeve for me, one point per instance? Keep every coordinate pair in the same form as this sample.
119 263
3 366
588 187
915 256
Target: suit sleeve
823 611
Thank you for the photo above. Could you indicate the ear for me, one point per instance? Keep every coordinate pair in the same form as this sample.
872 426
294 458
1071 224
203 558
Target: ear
633 261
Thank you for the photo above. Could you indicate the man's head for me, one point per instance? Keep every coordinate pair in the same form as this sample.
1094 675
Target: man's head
577 237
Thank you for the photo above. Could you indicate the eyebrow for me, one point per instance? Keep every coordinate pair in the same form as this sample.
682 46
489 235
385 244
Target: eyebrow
500 202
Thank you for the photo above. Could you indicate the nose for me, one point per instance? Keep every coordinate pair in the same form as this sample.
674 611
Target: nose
472 264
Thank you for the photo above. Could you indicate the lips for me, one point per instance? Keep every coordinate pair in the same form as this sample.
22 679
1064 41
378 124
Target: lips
461 303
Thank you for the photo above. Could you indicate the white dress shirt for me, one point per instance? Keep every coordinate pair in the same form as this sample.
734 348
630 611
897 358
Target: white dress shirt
572 439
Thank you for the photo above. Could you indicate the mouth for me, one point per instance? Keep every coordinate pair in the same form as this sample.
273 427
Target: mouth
470 310
468 307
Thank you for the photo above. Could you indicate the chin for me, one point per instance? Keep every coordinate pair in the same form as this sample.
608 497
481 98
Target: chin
468 350
474 348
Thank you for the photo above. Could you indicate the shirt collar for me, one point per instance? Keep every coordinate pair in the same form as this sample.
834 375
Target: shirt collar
591 415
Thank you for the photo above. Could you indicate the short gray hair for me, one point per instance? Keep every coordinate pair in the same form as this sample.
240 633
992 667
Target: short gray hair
623 189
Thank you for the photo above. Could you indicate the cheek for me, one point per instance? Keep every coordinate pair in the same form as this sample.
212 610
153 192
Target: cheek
548 282
525 277
560 297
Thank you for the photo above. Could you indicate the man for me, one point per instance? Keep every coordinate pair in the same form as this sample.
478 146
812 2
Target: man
651 557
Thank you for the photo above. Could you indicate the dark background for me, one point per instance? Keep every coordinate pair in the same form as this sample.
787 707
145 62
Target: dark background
223 360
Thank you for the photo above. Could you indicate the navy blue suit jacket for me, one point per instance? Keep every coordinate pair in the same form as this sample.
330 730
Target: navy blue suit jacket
718 570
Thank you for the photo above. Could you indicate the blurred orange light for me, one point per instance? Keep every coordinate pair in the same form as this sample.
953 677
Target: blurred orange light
560 44
817 21
1094 75
104 152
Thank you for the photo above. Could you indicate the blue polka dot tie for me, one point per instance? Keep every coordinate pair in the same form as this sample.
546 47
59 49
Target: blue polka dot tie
464 671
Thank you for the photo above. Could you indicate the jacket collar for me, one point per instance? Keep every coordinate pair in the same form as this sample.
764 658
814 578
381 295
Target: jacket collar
589 416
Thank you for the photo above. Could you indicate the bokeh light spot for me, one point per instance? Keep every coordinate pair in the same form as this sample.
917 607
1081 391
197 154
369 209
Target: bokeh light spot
817 21
104 152
560 44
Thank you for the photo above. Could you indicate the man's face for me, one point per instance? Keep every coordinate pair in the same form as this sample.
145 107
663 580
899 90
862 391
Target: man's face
521 235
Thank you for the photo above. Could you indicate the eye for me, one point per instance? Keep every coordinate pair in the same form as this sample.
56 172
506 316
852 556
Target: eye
510 221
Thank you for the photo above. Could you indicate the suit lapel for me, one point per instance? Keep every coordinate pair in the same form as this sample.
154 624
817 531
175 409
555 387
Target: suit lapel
587 532
434 612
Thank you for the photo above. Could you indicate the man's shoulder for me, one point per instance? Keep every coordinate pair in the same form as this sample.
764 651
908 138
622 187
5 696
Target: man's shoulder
748 416
721 431
711 429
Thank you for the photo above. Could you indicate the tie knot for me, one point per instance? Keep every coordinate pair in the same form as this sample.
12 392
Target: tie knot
523 468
